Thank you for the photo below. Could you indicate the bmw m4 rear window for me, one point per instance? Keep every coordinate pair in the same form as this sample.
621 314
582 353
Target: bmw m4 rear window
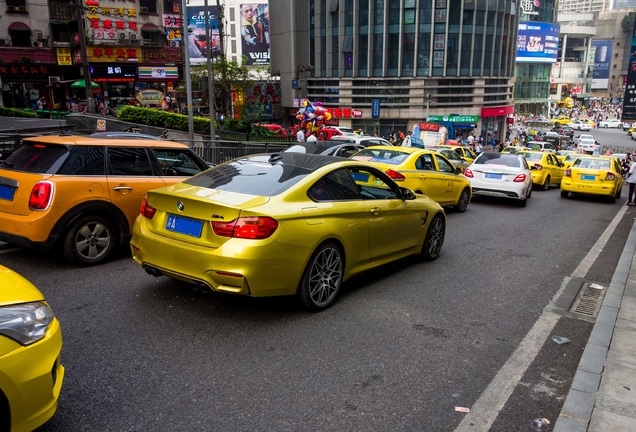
37 158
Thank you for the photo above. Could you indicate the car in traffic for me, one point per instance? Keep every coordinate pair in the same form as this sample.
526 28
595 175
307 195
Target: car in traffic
513 149
545 167
283 224
627 126
31 373
502 175
562 154
587 143
363 140
611 123
541 146
423 171
326 148
464 152
452 156
80 195
538 121
580 125
562 120
593 175
569 159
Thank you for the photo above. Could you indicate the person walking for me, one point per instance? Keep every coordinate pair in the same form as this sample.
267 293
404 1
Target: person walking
300 135
311 137
631 180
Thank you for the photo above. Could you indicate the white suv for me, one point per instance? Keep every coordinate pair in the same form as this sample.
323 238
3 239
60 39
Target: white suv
611 123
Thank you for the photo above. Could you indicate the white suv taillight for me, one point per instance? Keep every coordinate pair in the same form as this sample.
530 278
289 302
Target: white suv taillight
41 196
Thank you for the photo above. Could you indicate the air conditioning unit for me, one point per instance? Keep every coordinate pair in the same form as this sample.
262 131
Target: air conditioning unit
123 36
143 10
175 44
40 36
54 80
134 36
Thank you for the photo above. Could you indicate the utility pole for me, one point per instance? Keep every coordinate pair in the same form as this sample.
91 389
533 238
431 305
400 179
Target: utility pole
208 37
184 11
88 81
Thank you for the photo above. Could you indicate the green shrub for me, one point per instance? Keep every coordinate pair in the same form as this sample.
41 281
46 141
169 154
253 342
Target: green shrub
163 119
15 112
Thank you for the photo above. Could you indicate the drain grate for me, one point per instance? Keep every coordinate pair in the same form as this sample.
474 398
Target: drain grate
589 300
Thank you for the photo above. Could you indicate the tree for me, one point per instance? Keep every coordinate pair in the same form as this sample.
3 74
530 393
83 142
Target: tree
627 23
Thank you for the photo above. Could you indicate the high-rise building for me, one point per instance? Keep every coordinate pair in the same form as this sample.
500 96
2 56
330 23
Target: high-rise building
386 65
577 6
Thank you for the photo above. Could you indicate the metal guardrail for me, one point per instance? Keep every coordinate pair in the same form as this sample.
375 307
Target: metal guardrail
217 152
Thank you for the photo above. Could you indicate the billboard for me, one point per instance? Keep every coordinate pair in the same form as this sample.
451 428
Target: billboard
537 42
600 76
197 40
629 101
255 33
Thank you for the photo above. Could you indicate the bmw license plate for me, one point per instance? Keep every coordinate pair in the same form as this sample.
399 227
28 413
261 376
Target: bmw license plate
7 192
588 177
493 176
182 225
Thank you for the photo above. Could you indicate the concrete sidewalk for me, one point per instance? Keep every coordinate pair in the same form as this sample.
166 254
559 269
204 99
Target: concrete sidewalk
603 393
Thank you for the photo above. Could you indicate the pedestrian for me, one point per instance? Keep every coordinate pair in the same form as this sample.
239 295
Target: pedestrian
631 180
40 103
311 137
102 108
478 148
300 135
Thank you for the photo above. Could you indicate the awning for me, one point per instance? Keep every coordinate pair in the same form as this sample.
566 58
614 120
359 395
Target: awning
19 26
150 27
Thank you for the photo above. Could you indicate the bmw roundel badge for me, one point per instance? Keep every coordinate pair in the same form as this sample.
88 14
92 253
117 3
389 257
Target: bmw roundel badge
180 206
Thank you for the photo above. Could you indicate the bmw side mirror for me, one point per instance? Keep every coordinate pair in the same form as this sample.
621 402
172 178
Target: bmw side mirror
407 194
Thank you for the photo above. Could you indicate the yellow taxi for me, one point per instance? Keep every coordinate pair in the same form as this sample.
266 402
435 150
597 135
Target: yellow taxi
569 159
593 175
562 154
452 156
588 121
423 171
81 195
31 373
465 152
562 120
513 149
546 169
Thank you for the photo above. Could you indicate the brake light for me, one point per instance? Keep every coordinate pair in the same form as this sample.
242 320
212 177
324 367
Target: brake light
147 210
538 167
568 172
469 173
41 196
610 176
520 178
395 176
254 227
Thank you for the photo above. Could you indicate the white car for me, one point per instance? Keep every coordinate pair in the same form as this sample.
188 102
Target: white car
588 145
611 123
500 175
541 146
580 125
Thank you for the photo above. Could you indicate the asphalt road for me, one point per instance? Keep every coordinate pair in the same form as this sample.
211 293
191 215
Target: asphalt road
401 348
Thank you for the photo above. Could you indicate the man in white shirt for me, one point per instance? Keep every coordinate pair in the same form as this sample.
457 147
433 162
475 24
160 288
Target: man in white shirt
470 140
300 135
311 137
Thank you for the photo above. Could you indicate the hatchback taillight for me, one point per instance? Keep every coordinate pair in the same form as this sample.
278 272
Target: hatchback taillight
147 210
255 227
41 196
610 176
395 176
469 173
520 178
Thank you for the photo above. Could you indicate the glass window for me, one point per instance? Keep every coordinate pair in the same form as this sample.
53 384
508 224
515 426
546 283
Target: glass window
373 185
335 186
37 158
84 160
178 162
444 165
425 162
129 161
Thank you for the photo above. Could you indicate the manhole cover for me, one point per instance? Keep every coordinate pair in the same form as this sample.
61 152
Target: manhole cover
589 300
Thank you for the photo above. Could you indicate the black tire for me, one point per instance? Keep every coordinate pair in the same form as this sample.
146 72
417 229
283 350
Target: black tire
523 202
546 184
564 194
322 278
464 200
529 192
434 239
90 241
618 194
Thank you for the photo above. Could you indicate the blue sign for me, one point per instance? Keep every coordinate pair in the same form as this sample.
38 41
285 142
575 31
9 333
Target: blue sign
375 108
601 73
295 84
537 42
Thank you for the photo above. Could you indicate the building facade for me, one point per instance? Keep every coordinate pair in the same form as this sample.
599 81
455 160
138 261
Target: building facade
387 65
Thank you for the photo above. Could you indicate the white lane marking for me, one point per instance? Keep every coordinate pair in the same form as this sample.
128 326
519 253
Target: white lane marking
486 409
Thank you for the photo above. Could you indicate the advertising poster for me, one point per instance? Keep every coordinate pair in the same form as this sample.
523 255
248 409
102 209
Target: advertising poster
197 41
629 102
255 33
537 42
600 76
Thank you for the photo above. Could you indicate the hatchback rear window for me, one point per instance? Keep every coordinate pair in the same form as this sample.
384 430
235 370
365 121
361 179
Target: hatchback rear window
38 158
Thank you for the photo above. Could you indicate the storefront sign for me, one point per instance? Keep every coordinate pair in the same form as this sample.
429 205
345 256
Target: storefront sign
113 73
64 57
454 118
172 21
375 108
427 126
166 73
157 56
150 97
24 70
101 54
497 111
356 113
107 16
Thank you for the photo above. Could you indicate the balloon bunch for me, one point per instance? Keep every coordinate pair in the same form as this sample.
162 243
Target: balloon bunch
312 116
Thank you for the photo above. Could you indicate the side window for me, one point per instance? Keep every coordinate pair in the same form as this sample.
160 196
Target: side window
444 165
372 186
425 162
335 186
84 161
177 162
129 161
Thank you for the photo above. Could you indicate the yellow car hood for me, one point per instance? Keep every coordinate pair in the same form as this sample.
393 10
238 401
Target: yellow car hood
16 289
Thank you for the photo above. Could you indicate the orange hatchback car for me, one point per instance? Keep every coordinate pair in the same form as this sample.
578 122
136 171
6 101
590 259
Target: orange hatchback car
83 194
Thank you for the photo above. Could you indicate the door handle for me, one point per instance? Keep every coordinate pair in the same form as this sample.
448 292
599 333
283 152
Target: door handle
121 188
376 211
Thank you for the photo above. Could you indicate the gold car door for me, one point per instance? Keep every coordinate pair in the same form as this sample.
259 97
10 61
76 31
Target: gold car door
427 178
